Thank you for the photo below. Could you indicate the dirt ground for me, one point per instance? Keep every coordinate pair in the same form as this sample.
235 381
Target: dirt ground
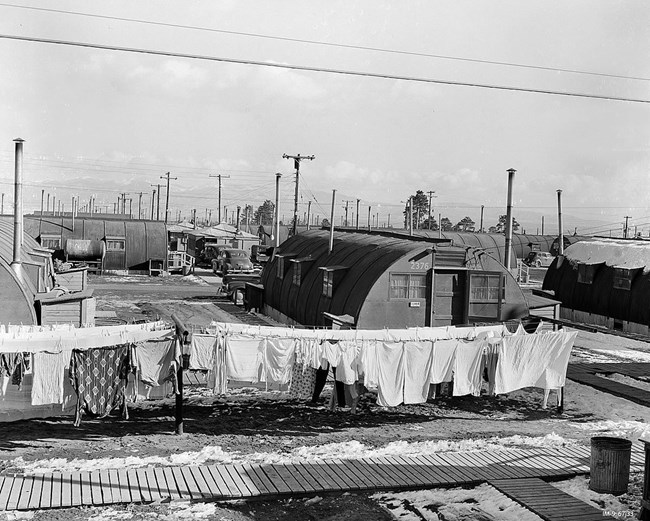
245 423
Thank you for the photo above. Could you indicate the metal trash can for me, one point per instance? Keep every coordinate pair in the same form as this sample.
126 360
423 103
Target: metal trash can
610 465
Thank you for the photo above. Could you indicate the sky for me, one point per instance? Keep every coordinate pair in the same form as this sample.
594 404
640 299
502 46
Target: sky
101 123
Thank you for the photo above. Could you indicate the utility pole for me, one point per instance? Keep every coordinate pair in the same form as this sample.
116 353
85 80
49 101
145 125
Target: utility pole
308 214
296 163
369 224
130 207
559 223
124 194
431 192
237 225
219 209
506 257
410 215
357 225
2 206
331 245
166 176
625 229
346 212
277 209
153 198
481 227
140 205
42 199
542 225
157 204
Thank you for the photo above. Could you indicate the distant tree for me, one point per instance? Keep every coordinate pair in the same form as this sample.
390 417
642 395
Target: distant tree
465 225
420 209
425 224
501 225
264 213
446 224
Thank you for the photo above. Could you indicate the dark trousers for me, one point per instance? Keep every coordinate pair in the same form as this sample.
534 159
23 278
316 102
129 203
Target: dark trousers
321 379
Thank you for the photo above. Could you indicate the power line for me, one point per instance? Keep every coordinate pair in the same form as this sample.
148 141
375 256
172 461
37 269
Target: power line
319 69
326 44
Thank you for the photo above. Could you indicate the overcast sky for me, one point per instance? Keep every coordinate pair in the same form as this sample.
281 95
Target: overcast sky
106 122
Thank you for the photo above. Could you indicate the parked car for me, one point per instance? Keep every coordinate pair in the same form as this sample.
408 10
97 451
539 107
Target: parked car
211 252
231 260
234 285
538 259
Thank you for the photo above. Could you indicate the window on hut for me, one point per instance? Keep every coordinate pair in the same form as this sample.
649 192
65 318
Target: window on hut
408 286
586 273
623 278
115 244
53 242
328 283
486 292
297 273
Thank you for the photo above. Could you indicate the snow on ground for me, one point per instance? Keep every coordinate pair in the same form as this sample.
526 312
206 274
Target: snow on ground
579 488
457 504
353 449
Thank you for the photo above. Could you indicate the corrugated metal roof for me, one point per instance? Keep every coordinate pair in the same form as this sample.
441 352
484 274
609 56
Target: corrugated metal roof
613 252
365 256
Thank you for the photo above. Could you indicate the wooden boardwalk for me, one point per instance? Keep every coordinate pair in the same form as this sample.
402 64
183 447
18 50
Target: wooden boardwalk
548 502
587 374
226 482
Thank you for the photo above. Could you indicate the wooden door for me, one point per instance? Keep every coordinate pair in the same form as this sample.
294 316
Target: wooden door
449 297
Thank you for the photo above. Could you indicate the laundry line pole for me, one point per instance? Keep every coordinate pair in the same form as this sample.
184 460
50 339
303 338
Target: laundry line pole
184 338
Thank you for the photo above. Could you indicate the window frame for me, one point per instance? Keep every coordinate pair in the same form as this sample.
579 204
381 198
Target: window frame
51 237
624 275
499 300
120 240
423 287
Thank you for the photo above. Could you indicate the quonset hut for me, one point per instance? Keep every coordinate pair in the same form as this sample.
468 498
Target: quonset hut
37 277
604 282
123 245
370 281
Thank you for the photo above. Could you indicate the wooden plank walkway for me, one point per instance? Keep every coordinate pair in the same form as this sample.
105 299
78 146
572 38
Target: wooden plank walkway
548 502
225 482
587 374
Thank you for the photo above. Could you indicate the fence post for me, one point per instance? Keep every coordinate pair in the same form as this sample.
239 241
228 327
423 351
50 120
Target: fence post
644 515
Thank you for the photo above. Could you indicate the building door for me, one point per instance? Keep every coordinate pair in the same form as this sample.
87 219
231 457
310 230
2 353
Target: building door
449 297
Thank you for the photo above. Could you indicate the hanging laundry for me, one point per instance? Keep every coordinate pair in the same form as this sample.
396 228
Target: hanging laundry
303 380
369 365
276 360
418 359
533 361
242 360
9 362
390 356
49 372
99 377
349 362
442 364
468 367
157 361
202 351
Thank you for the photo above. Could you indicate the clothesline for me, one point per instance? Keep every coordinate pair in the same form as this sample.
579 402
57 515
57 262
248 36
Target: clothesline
400 364
81 338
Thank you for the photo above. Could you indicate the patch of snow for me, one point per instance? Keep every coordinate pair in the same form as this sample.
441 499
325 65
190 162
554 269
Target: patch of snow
578 487
108 514
343 450
456 504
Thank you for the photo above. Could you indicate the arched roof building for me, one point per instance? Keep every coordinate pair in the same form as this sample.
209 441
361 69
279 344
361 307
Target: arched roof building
370 281
129 244
605 282
18 292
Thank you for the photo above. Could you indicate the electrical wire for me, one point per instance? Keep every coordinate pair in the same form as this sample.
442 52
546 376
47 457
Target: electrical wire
327 44
320 69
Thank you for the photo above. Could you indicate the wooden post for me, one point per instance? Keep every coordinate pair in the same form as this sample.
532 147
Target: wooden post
184 338
644 515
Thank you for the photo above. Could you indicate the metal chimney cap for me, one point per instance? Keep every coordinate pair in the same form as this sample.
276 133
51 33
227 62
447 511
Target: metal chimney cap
510 170
19 140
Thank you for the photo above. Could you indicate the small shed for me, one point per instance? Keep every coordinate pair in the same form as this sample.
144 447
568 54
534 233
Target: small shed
129 244
370 281
604 282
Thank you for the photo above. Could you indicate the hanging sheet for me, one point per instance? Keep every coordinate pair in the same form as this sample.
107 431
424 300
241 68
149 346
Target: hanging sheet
49 373
99 378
